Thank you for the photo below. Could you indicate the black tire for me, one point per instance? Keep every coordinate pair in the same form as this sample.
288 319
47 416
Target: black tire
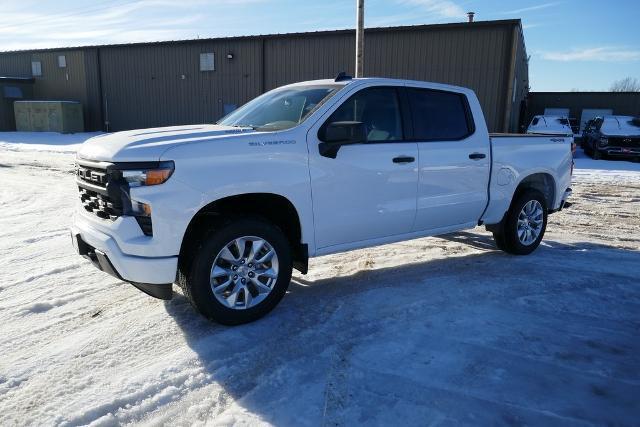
596 154
196 284
509 228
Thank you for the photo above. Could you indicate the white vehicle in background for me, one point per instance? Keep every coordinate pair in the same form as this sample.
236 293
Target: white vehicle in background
550 125
227 210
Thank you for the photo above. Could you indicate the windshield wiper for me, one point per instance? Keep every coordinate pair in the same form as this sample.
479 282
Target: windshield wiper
244 126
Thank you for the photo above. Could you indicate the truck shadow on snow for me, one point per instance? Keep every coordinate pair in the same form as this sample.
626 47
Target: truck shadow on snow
478 338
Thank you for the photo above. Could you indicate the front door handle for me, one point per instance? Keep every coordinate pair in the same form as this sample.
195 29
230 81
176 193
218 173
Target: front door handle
477 156
404 159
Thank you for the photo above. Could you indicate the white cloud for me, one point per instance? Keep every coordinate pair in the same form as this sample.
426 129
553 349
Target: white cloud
531 8
143 20
604 54
439 8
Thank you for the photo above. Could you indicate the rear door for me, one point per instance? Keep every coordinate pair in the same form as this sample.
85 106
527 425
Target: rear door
454 159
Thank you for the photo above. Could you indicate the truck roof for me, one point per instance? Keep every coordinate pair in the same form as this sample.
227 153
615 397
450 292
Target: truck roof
380 81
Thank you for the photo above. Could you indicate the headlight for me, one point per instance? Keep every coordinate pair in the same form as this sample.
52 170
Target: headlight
603 142
149 176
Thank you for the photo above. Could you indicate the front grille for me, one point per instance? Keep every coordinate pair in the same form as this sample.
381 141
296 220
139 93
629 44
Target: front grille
105 193
92 175
99 204
93 180
633 142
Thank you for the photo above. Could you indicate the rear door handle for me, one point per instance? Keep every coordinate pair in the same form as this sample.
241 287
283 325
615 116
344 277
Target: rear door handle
404 159
477 156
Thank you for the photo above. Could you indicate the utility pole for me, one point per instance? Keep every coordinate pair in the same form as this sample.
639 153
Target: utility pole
360 38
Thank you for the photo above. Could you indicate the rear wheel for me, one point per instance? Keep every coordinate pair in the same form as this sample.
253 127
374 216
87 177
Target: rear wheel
524 225
240 271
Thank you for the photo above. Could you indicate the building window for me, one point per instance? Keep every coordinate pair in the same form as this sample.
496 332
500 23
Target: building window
62 61
36 68
207 62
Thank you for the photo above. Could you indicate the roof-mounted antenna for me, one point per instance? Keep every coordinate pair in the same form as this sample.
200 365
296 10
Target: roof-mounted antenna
342 76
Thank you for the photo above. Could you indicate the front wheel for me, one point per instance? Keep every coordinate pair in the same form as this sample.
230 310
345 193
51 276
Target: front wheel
240 271
524 225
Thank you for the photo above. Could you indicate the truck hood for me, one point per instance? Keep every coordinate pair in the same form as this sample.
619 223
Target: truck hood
149 144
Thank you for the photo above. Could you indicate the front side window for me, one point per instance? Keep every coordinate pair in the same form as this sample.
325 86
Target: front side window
439 115
280 109
378 108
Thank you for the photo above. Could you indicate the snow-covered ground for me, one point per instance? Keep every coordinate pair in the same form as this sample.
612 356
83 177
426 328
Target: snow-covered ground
432 331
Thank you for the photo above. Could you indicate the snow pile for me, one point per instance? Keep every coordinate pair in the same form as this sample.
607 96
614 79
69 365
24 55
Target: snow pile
43 141
439 330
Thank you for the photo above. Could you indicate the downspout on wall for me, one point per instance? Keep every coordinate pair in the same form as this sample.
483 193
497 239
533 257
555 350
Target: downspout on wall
510 80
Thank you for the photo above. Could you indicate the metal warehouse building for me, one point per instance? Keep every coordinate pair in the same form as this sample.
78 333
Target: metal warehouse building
196 81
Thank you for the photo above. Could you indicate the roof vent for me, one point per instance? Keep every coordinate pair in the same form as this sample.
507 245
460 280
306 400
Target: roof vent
471 15
342 76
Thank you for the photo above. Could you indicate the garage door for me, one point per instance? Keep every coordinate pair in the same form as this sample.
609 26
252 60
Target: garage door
590 113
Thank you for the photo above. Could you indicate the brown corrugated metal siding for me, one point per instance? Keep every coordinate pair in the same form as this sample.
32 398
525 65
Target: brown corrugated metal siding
157 84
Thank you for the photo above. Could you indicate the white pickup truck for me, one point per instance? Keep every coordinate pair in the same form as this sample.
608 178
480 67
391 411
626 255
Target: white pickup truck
227 210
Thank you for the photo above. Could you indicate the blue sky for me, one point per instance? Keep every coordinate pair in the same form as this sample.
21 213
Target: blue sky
582 45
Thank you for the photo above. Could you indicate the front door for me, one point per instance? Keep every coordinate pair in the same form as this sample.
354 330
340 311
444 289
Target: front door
368 191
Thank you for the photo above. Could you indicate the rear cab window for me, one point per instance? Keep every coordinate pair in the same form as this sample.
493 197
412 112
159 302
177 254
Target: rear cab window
439 115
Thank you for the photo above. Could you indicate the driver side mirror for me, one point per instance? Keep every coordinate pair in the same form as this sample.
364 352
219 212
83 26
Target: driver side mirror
336 134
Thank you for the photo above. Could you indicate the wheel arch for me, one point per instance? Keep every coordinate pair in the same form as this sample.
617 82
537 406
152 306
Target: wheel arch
272 207
540 181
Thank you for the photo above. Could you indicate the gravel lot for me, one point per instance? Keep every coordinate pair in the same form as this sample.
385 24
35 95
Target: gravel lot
432 331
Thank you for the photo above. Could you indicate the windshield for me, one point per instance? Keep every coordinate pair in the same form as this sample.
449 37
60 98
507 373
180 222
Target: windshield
281 108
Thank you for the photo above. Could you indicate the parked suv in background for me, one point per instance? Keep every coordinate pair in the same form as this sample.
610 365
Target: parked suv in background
227 210
616 136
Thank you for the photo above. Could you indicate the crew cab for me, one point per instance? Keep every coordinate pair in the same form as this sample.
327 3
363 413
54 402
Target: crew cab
226 210
616 136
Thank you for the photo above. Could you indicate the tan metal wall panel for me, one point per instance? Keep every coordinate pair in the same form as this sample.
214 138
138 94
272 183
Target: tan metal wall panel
308 57
142 85
15 64
147 86
57 83
475 57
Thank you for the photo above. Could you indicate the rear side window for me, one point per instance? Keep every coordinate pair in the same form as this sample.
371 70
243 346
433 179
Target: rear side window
439 115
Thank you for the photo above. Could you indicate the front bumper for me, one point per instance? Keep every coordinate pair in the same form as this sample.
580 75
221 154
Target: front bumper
153 275
620 151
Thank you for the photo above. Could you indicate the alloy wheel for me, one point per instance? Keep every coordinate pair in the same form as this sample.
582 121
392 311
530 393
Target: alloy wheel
244 272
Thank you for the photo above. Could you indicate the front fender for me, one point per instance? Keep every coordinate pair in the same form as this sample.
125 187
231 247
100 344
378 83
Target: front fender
273 163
